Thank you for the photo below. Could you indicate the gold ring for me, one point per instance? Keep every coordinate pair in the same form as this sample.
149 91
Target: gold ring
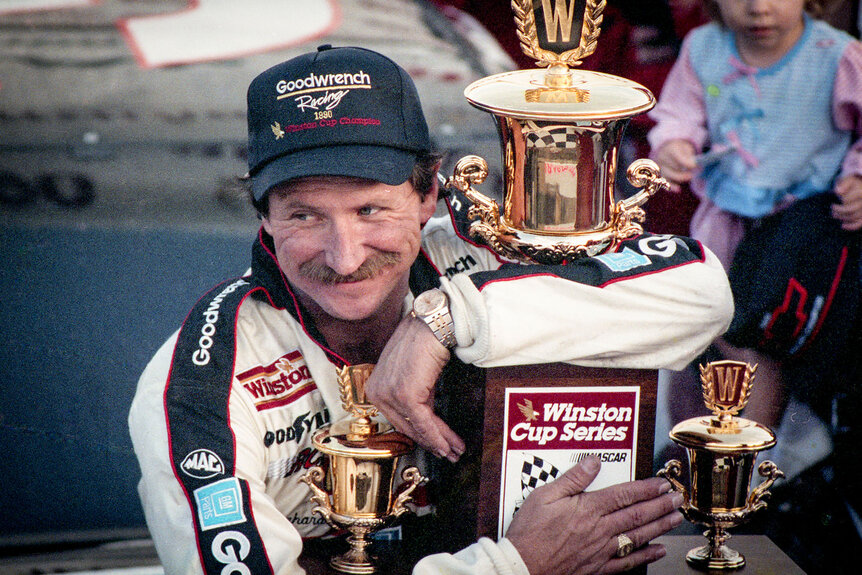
624 545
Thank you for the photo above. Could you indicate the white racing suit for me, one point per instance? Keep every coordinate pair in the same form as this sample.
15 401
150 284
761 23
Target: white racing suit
224 413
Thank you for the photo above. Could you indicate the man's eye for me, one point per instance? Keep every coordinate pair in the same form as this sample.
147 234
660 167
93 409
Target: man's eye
300 216
368 210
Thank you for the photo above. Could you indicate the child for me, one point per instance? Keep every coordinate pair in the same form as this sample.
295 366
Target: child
762 107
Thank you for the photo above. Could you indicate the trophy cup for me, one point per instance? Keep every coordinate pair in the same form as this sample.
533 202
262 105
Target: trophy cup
363 458
560 130
721 453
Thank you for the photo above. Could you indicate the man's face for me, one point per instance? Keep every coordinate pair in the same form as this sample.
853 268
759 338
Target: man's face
346 245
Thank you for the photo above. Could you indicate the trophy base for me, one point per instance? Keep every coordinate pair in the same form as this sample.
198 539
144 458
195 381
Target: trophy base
709 558
357 560
355 566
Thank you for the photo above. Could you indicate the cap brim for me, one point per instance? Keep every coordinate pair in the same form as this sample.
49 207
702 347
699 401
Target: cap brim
388 165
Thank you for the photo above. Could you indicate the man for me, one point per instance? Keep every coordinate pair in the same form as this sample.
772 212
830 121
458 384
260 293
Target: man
342 175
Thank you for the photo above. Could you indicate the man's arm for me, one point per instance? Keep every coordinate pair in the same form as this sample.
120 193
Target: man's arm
655 302
413 354
206 511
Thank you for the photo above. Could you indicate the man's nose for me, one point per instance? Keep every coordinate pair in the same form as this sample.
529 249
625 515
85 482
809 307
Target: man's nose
344 252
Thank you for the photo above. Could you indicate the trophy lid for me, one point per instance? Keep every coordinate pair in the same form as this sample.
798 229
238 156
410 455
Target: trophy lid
384 444
360 435
726 388
586 96
559 37
702 433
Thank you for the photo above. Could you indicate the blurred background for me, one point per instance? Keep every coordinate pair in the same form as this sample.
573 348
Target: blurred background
122 131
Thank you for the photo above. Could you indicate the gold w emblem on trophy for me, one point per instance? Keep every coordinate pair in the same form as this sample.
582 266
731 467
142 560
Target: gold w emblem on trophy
546 29
351 383
726 385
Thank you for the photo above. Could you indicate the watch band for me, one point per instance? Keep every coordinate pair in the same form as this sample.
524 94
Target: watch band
443 327
436 315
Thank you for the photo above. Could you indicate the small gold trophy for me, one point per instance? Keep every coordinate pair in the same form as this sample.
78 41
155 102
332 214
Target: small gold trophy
363 458
560 131
721 454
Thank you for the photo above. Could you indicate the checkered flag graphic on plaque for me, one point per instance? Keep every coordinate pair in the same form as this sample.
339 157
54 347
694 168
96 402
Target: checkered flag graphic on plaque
535 473
560 137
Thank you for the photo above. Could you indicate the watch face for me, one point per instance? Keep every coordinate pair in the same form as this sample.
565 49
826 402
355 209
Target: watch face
428 302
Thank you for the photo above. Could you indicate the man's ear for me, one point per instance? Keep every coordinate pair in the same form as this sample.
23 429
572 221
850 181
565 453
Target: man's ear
266 225
429 202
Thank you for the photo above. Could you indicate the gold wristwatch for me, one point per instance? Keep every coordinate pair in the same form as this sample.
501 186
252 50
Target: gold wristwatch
432 307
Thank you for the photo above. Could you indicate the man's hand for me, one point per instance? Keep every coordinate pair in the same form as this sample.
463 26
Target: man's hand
677 162
402 387
561 529
849 211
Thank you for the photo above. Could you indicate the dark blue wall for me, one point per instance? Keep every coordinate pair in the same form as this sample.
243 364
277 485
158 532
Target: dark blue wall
82 312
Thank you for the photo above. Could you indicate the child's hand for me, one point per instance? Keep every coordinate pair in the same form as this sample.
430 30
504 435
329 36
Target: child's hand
676 160
849 210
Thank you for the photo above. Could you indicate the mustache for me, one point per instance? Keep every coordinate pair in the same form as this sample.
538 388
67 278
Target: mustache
320 272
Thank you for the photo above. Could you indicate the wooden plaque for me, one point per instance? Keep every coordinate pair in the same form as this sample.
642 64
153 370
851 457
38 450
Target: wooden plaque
561 376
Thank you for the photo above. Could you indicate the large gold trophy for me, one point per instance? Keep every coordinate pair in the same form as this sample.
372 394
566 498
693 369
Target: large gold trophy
722 450
560 129
363 459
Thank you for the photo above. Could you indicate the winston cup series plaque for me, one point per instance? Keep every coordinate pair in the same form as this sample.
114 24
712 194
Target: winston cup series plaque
550 429
541 420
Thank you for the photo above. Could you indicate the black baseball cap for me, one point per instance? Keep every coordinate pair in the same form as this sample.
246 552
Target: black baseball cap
336 112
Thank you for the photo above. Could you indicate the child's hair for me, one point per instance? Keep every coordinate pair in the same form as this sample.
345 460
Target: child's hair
813 7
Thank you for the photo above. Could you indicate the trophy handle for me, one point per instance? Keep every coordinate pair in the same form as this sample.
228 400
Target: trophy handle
644 174
770 472
314 480
469 171
628 213
672 471
414 479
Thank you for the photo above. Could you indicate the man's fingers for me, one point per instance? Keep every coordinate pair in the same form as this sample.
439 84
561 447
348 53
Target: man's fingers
646 533
649 554
572 482
456 444
640 537
430 432
649 512
623 495
414 418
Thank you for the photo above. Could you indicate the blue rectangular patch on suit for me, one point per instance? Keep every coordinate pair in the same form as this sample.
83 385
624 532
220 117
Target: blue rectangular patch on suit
219 504
623 261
